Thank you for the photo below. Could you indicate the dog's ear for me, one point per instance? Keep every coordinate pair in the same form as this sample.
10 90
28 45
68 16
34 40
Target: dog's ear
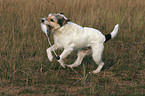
61 21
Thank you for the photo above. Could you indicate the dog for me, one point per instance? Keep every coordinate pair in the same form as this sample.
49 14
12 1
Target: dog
71 36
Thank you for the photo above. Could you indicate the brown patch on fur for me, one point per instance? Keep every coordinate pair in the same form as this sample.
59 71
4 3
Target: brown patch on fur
56 20
53 23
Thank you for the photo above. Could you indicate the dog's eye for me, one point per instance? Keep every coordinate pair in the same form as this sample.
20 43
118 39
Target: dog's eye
51 20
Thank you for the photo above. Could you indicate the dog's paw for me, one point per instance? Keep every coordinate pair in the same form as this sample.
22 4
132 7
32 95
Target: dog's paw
96 71
70 66
50 57
49 54
63 65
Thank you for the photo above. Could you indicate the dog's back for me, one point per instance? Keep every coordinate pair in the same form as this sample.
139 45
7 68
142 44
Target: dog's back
95 35
72 33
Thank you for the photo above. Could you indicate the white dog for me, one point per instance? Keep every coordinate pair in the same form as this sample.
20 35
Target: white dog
71 36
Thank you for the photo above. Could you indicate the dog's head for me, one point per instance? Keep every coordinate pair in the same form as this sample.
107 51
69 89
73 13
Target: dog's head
55 20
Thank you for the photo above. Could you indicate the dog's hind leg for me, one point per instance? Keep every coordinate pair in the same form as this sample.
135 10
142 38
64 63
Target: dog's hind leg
97 56
81 55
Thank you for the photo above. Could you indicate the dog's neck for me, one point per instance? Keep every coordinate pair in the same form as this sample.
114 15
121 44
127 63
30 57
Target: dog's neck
59 30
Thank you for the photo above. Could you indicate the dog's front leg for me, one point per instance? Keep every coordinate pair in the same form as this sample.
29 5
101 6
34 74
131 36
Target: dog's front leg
64 54
49 54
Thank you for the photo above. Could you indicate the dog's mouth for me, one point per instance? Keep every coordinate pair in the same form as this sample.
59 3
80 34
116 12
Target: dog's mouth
49 27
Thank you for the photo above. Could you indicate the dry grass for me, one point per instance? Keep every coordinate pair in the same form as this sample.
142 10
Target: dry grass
25 69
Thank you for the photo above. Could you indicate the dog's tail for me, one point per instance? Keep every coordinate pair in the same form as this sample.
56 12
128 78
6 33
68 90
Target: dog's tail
112 34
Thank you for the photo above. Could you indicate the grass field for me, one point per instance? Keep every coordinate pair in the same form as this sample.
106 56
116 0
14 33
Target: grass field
26 71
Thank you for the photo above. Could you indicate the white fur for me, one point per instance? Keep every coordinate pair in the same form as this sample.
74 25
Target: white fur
115 31
44 28
74 37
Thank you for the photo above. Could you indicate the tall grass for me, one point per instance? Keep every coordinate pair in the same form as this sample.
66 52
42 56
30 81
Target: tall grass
23 60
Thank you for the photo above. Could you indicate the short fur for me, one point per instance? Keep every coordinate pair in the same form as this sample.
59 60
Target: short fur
70 36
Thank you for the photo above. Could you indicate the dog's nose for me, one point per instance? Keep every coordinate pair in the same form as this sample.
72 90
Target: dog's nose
42 20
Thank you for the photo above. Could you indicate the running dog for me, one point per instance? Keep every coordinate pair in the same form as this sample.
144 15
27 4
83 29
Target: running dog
71 36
